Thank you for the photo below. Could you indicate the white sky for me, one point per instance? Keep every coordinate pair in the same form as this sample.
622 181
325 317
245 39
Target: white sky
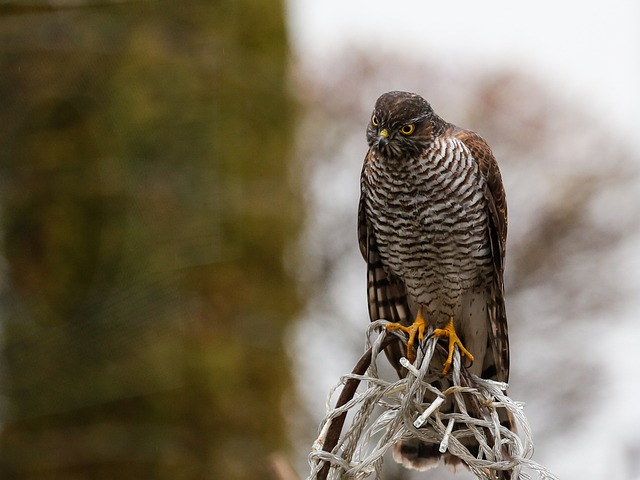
589 50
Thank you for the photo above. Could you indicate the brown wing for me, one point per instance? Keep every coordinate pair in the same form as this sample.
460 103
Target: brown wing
497 214
387 297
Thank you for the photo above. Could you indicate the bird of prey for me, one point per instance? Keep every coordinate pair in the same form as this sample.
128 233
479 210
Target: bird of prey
432 227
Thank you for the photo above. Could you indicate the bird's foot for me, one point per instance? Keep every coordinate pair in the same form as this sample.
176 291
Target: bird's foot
416 329
449 331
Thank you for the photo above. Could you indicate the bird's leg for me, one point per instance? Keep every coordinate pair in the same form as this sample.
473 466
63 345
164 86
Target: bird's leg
450 332
417 328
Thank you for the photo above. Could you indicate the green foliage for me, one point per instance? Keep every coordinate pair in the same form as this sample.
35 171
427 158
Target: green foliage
145 209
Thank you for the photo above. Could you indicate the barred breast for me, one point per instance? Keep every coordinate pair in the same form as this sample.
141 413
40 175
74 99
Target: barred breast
430 221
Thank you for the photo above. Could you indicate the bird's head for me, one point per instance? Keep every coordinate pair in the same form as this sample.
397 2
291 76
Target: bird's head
402 124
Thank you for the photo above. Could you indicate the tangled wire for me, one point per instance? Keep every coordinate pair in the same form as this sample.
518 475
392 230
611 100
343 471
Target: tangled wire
384 413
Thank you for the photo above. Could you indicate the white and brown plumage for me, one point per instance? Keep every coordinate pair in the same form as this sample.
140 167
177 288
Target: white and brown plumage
432 227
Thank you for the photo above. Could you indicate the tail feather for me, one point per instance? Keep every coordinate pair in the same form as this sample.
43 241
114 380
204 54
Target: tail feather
416 455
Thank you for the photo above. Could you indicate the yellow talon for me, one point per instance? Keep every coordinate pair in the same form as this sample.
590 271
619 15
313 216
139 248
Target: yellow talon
418 328
450 332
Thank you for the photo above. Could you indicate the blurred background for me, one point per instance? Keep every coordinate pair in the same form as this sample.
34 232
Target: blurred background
180 284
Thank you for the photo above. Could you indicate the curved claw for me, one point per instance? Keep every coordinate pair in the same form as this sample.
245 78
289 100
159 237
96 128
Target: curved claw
417 328
449 331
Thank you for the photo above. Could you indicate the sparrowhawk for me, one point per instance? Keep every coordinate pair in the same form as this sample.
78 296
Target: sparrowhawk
432 227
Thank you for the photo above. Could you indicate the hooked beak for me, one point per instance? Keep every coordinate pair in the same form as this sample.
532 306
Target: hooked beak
383 138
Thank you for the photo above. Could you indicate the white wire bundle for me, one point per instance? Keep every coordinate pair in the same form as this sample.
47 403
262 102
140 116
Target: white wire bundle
386 412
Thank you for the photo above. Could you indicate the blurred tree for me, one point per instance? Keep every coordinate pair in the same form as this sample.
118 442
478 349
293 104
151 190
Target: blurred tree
145 213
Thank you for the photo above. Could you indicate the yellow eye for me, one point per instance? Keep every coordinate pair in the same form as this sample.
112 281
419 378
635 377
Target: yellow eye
407 129
374 121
